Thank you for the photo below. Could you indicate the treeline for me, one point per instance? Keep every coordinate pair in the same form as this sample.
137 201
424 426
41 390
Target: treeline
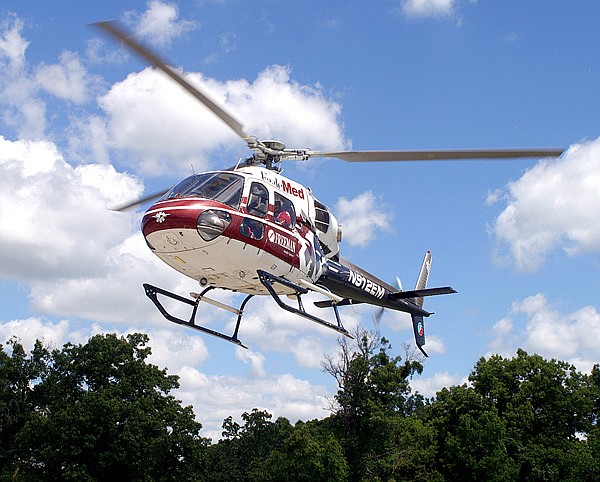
99 411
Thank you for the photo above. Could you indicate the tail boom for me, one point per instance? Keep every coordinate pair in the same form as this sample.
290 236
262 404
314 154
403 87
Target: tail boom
354 286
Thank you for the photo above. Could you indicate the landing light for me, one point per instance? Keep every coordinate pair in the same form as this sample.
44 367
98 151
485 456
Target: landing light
212 223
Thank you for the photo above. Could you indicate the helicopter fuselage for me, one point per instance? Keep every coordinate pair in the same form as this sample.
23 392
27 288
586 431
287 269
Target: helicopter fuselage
253 231
220 227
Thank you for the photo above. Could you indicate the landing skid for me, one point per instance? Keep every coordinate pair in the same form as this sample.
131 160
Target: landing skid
152 292
267 279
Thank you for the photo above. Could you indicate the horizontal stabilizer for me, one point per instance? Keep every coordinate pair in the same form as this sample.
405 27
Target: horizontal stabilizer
400 295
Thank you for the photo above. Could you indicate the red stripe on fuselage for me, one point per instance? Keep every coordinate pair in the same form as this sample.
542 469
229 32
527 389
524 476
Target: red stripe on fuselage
183 214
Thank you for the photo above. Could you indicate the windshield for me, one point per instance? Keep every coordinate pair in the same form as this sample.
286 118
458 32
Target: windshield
223 187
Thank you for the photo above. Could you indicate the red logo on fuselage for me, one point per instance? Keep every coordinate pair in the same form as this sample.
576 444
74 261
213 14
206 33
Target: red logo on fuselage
287 187
282 184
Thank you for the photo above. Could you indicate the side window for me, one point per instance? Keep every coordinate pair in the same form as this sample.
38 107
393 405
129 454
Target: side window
252 228
258 200
284 213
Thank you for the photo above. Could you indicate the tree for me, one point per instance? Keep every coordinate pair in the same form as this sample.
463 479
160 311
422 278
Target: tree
18 373
307 454
239 455
547 408
370 381
101 412
471 437
372 404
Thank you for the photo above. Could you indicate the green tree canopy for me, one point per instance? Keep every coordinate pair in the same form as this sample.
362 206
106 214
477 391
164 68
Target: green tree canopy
371 411
99 411
523 418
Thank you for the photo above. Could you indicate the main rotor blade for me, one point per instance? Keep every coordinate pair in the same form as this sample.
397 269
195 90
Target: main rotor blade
137 202
437 155
116 31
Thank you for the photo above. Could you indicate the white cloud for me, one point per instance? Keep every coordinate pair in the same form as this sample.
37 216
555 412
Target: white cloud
67 80
111 291
58 217
21 88
165 129
554 205
27 331
12 44
255 359
160 23
20 108
537 326
362 217
216 397
227 42
428 387
427 8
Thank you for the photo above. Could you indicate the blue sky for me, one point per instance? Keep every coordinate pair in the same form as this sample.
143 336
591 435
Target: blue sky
84 125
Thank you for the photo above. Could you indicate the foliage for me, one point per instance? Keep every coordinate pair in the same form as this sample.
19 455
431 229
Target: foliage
18 374
100 411
471 437
372 405
524 418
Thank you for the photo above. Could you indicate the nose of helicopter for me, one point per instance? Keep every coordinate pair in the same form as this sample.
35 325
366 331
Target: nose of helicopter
177 226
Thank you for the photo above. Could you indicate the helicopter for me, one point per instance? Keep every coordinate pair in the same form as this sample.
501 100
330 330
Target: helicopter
250 230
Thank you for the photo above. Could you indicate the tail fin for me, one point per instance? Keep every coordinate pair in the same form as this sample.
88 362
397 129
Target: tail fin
419 329
417 297
417 320
418 323
423 278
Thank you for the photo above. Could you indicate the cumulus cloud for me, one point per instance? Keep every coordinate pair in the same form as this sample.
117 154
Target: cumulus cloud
554 205
27 331
12 44
21 88
67 80
429 386
539 327
362 217
160 23
165 128
216 397
20 108
57 215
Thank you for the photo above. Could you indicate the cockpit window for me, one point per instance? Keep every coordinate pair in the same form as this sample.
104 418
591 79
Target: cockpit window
258 200
223 187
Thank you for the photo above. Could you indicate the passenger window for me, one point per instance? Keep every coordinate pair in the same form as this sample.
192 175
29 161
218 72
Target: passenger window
253 229
258 200
284 213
